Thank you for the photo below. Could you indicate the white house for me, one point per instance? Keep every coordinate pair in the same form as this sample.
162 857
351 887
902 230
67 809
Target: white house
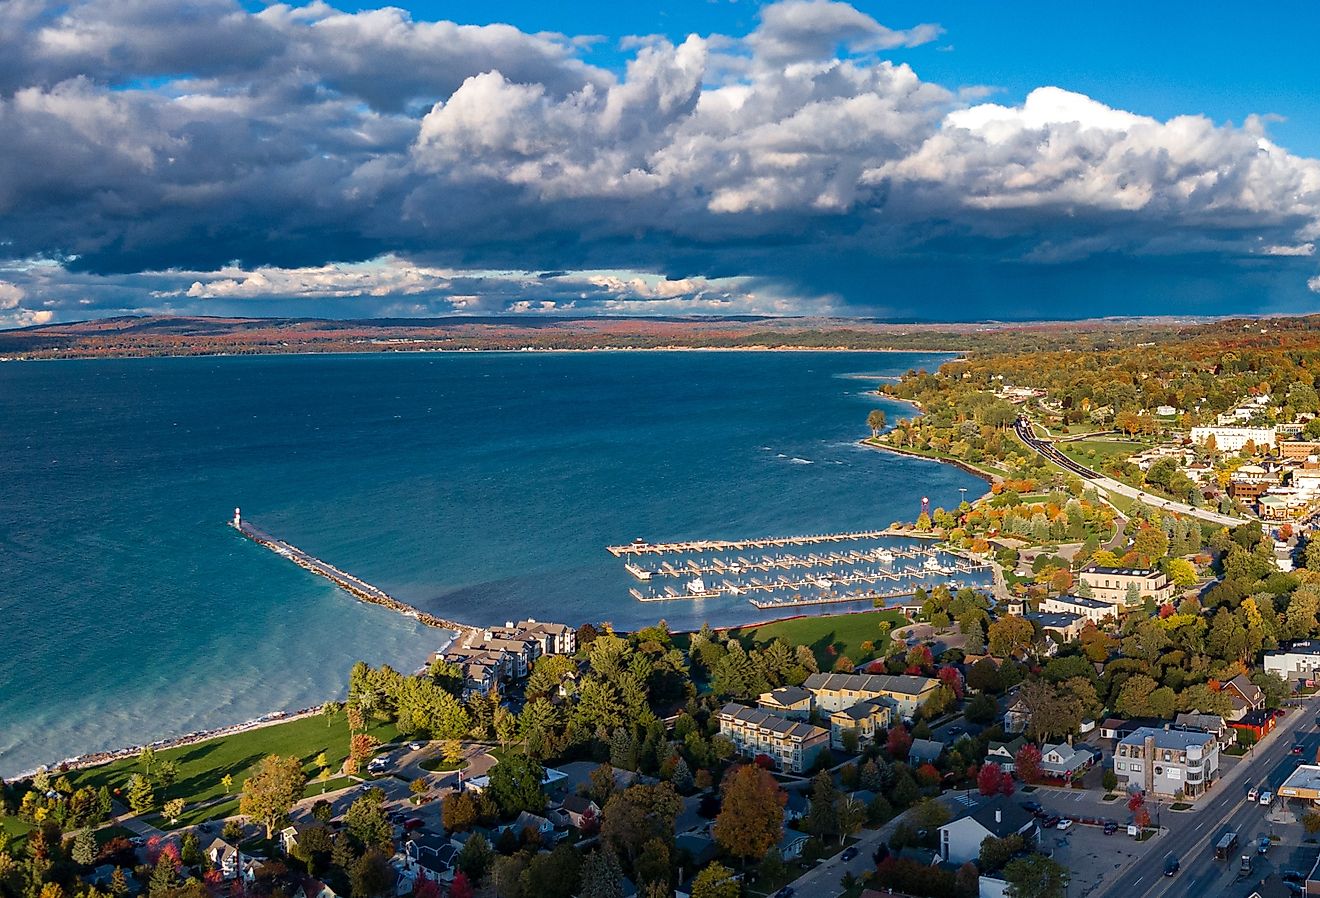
960 839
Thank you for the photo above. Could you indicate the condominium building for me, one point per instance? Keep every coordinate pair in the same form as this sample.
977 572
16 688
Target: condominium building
835 691
1112 584
791 744
863 718
1093 610
1167 762
1232 439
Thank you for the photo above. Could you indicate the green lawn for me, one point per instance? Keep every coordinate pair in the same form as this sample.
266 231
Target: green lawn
440 765
15 829
1106 451
844 632
202 766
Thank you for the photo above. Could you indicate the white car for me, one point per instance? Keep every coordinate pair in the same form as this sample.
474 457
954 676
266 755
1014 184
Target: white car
1065 823
415 746
1266 797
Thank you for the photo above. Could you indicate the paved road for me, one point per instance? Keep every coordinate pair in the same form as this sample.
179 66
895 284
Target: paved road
1189 836
1100 481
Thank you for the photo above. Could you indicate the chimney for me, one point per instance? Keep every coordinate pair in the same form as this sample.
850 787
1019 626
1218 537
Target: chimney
999 815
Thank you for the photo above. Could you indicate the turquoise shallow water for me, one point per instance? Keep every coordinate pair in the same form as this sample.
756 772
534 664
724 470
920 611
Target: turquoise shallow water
476 486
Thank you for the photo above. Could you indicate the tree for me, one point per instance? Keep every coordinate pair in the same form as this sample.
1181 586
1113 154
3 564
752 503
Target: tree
995 853
1035 876
372 876
174 809
459 811
271 791
164 876
991 779
1109 780
823 817
876 421
638 813
141 797
716 881
515 784
1010 636
476 857
1027 763
365 821
602 876
752 816
84 848
461 887
1137 805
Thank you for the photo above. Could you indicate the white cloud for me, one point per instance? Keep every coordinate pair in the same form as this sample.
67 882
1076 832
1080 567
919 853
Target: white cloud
10 295
1314 284
1303 249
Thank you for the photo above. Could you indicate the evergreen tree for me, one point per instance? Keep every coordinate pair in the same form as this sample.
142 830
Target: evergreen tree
163 877
141 798
84 848
602 877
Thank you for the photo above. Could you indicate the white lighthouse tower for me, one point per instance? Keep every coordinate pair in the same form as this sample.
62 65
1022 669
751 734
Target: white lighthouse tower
238 520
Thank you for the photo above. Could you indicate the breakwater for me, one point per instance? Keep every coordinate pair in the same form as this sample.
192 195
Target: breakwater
354 586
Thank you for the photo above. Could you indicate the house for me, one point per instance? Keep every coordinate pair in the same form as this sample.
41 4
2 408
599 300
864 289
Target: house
310 887
835 691
1298 664
1258 723
863 719
289 839
791 844
925 751
1206 723
576 810
787 701
1113 585
1064 760
1273 886
1005 753
1245 695
1093 610
791 744
1167 762
699 847
527 821
960 839
1017 716
796 806
1067 625
225 858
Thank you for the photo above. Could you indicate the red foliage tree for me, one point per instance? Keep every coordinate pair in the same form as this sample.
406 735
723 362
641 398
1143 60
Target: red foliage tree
928 774
1027 763
876 667
1166 610
426 888
953 678
460 887
1137 805
987 780
765 762
899 742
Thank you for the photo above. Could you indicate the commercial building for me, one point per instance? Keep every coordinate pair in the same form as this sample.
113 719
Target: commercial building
835 692
1167 762
1113 584
1298 450
1093 610
1304 783
791 744
1298 664
1232 439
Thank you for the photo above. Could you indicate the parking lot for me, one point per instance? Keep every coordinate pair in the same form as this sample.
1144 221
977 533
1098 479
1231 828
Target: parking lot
1092 857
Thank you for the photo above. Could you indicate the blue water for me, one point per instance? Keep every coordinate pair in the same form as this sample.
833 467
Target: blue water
476 486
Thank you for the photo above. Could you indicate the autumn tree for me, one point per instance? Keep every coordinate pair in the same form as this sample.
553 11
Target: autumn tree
716 881
1027 763
271 791
1009 636
876 421
752 816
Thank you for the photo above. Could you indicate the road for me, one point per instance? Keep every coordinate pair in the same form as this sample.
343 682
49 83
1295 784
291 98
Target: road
1100 481
1190 836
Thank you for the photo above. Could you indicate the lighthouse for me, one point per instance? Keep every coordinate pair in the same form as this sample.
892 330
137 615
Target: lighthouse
238 520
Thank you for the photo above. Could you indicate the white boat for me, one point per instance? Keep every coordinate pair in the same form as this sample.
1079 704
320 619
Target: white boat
735 569
734 590
933 564
885 557
825 583
696 586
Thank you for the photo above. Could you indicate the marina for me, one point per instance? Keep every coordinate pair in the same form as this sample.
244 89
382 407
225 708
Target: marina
698 570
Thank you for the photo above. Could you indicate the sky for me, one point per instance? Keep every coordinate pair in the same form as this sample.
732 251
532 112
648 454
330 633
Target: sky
909 161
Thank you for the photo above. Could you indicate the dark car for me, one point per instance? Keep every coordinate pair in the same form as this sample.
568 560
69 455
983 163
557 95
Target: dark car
1052 821
414 823
1297 749
785 892
849 853
1110 827
1292 875
1030 807
1171 866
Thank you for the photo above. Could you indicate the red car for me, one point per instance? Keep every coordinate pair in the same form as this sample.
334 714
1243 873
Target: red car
414 823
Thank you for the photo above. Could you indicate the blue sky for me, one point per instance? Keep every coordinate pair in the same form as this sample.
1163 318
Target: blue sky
941 160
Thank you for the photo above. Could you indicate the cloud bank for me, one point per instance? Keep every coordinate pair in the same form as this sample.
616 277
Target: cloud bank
189 155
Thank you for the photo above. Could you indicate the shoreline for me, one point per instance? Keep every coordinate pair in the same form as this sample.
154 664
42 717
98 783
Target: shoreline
961 465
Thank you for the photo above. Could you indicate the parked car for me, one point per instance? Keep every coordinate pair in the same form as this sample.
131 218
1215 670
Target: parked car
415 746
413 823
1292 875
1110 827
849 853
1030 807
1065 823
1052 821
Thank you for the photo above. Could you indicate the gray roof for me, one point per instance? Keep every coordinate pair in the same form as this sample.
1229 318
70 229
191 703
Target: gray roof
1082 602
925 749
772 722
1054 620
1012 819
903 685
1177 740
862 709
789 695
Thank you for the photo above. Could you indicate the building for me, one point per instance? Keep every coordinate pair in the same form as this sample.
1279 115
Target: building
1206 723
925 751
490 657
1005 753
960 839
576 811
556 639
1232 439
1298 450
1093 610
1112 584
1067 626
1304 783
788 701
1017 716
1297 664
1167 762
1245 695
1064 761
863 718
791 744
834 692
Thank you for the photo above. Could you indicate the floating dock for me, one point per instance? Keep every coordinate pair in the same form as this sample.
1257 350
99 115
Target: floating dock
354 586
642 547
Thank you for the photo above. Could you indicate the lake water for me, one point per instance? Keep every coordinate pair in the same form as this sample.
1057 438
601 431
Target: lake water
480 487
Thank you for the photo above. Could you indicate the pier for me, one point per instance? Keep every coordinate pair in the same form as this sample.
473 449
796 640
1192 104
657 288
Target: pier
354 586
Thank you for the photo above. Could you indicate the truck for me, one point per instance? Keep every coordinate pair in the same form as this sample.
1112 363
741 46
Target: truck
1226 845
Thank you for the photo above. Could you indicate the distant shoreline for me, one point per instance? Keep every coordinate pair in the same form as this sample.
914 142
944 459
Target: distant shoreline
79 357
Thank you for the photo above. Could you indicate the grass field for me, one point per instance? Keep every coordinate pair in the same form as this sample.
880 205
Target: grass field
204 765
14 829
1105 451
844 633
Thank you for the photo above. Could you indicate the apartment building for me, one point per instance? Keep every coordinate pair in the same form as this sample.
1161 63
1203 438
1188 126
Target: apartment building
1112 584
791 744
836 691
1167 762
1093 610
1232 439
863 718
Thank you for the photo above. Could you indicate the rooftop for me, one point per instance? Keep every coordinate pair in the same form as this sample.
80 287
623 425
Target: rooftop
903 685
1129 571
1304 778
1081 602
1054 620
1178 740
769 721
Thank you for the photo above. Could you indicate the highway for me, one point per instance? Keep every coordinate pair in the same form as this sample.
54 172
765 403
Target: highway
1046 448
1190 836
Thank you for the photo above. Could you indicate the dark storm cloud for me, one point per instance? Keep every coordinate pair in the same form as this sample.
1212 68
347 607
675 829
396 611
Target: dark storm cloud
142 139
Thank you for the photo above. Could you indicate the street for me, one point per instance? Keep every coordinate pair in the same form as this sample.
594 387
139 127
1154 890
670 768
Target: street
1189 836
